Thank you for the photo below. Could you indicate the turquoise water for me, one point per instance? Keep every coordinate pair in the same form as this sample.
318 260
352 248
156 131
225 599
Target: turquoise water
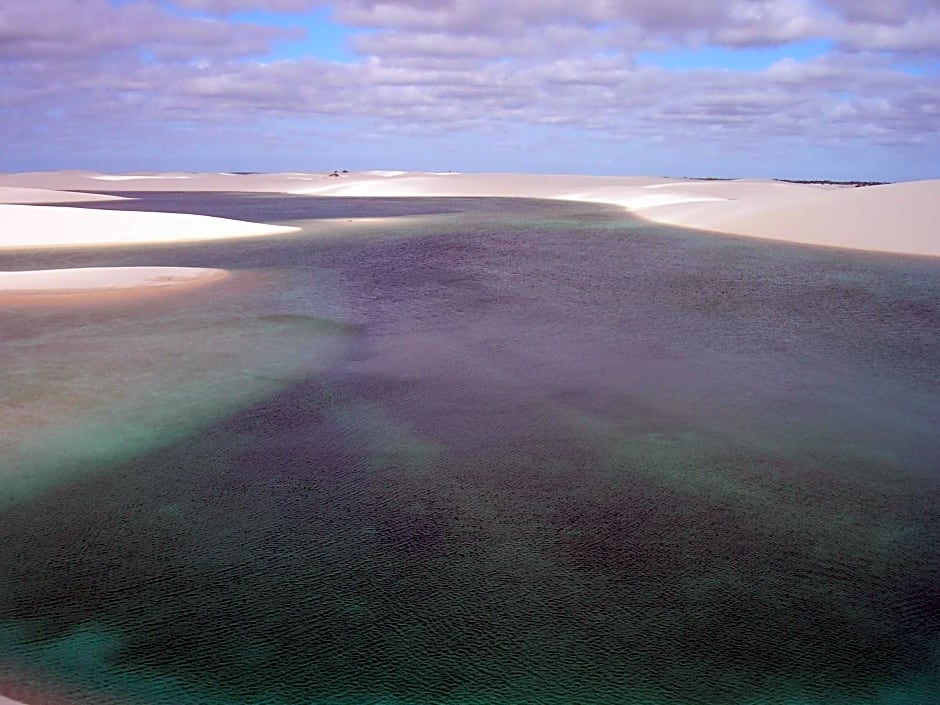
489 451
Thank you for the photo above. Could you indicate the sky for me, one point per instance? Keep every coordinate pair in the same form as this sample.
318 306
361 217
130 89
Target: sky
801 89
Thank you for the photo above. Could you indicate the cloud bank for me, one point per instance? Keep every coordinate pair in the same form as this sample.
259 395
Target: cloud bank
833 88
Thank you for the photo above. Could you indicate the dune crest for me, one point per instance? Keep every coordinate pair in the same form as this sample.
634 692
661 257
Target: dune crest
49 226
900 218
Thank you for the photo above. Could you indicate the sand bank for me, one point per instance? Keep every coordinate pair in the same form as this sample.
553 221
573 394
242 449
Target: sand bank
901 218
14 194
91 284
32 226
48 226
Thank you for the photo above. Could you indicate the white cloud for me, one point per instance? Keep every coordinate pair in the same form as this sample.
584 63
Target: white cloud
433 67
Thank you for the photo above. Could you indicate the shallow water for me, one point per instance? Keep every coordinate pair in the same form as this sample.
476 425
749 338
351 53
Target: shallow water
487 451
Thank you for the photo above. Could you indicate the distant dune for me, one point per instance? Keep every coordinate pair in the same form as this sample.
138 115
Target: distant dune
897 218
901 218
13 194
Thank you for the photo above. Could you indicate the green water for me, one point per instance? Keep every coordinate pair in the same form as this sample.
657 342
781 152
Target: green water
515 453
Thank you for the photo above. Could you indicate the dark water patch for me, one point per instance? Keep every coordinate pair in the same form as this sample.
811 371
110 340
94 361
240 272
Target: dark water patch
340 556
280 208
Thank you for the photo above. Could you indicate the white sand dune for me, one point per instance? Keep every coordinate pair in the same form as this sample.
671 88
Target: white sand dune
13 194
49 226
90 181
898 218
137 177
32 227
472 185
901 218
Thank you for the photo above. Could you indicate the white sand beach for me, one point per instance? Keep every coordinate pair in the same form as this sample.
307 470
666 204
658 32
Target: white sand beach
896 218
45 227
34 226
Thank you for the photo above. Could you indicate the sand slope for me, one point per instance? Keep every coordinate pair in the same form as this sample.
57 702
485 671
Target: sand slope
48 226
899 218
101 278
902 218
15 194
31 227
82 285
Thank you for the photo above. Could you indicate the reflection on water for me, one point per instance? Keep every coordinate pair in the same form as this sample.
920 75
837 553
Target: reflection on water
507 452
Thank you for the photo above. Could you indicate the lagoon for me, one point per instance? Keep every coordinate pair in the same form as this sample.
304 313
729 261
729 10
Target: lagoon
475 451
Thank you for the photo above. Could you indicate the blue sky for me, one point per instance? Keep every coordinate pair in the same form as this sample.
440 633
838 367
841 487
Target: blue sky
326 39
787 88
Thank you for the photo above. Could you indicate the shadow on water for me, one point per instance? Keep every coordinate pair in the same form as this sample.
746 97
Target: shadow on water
278 207
565 457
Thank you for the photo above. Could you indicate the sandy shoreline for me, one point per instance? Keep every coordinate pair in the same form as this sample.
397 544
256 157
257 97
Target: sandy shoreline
44 227
97 284
23 196
32 227
896 218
